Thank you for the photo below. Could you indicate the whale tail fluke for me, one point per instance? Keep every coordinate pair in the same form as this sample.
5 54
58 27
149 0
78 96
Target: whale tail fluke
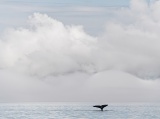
101 106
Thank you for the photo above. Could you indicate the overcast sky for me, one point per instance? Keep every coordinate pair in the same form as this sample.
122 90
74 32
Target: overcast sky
88 50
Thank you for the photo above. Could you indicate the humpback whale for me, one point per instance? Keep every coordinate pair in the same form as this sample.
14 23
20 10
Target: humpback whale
100 106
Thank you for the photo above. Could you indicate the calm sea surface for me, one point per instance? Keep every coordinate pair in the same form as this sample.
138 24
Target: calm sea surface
78 111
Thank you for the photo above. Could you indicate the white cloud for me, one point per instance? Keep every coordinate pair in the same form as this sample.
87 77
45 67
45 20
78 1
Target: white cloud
75 66
47 47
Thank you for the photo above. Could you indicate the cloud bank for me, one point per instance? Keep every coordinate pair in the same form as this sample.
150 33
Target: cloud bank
53 59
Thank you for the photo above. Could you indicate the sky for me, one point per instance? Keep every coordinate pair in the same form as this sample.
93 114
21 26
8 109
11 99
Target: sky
79 51
67 11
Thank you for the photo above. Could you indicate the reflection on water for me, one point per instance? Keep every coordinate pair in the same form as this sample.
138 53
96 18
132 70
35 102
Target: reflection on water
78 111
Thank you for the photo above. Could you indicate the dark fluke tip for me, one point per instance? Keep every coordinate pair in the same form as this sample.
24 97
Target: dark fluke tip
101 106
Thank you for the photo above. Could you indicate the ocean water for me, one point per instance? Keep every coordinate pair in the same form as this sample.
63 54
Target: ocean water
78 111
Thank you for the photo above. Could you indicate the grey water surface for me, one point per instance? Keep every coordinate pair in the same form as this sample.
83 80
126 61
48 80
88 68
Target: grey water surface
78 111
